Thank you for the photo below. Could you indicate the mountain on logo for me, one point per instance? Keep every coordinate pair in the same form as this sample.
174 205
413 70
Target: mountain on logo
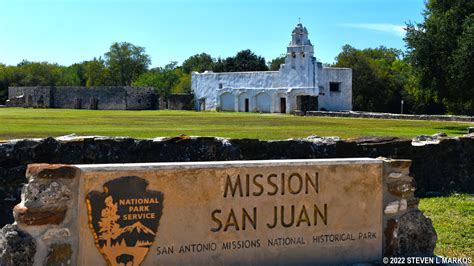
138 227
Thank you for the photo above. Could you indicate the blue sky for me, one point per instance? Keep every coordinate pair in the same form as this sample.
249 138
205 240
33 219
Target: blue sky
69 31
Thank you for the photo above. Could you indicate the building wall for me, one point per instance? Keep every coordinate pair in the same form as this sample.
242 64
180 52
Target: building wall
140 98
210 86
111 98
335 101
38 97
205 85
105 98
261 100
176 101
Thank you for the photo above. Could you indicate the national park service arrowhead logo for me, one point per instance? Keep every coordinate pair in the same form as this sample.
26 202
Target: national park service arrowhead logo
124 219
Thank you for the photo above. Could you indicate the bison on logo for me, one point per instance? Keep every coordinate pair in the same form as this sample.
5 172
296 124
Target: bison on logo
124 219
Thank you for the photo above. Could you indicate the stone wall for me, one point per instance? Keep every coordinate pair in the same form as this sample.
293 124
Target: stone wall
176 101
47 228
140 98
359 114
103 98
112 98
37 97
440 164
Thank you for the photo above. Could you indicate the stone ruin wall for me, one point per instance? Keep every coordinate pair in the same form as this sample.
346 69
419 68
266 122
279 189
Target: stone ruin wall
102 98
81 98
140 98
46 233
176 102
37 97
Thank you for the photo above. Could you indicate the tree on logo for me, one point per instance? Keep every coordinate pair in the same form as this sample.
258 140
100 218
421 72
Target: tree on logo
109 228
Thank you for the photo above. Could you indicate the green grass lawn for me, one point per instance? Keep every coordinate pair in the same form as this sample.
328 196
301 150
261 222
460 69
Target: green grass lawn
453 219
25 123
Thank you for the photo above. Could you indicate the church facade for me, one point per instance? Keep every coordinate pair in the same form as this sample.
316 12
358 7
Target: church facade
301 83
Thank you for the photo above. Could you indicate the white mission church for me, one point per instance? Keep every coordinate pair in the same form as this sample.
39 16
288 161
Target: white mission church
302 83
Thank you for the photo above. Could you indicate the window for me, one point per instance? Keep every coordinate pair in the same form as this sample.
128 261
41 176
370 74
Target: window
302 54
334 87
220 85
293 54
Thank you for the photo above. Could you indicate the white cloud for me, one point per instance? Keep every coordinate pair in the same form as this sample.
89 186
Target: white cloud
393 29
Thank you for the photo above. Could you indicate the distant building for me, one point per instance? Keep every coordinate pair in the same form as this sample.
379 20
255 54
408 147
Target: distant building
302 83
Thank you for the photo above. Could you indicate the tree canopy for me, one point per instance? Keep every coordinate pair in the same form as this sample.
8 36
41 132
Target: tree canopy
379 77
126 62
165 80
244 60
274 65
441 51
199 62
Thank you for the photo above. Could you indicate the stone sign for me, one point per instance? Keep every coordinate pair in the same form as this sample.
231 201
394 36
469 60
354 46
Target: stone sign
241 212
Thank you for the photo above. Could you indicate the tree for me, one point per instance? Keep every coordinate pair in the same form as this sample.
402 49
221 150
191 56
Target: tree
244 60
379 77
184 83
199 63
96 73
441 51
70 76
126 62
38 74
274 65
162 79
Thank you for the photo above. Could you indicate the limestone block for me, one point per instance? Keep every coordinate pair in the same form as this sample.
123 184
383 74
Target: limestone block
403 205
395 175
39 216
16 247
36 194
401 188
48 171
59 255
392 207
57 233
398 164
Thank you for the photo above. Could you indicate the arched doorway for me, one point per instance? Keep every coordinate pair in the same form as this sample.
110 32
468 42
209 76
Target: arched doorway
264 102
227 102
244 102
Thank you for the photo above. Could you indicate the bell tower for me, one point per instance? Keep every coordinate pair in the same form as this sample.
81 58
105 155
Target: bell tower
299 36
300 51
300 62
